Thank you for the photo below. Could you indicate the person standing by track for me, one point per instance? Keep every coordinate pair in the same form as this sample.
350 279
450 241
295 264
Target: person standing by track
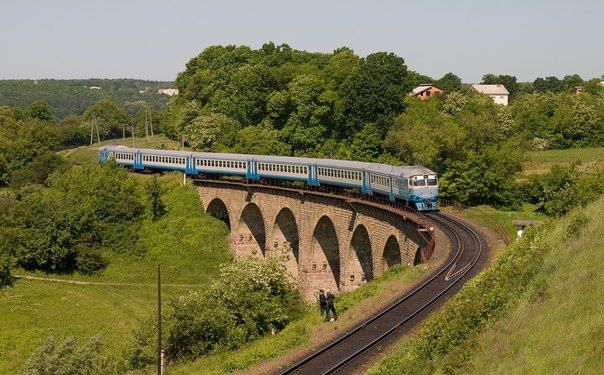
322 302
330 298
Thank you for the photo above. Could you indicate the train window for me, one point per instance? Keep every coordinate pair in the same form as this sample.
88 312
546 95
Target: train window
432 180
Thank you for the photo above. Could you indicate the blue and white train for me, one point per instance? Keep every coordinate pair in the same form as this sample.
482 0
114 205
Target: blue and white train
414 184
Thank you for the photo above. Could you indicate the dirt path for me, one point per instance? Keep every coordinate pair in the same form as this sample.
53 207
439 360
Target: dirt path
107 283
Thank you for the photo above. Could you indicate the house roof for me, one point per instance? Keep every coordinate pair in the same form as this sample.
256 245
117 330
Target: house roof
491 89
423 87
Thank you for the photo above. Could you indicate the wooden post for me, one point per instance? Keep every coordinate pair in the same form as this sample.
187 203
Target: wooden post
124 133
159 351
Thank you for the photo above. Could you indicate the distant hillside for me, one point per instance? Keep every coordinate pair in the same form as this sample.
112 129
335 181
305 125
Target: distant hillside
75 95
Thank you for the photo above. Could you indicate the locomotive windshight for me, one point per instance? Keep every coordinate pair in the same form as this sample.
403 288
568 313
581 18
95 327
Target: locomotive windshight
414 184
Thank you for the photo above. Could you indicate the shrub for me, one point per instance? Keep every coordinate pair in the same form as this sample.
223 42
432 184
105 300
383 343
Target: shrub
6 277
64 358
564 188
250 298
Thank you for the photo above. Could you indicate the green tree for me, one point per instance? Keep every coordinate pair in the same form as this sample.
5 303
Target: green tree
449 83
570 81
366 144
206 132
109 116
593 87
40 111
73 131
38 170
375 88
549 84
154 193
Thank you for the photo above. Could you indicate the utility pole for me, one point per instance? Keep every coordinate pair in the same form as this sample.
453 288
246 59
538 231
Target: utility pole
124 133
146 127
160 362
132 132
91 132
150 120
96 124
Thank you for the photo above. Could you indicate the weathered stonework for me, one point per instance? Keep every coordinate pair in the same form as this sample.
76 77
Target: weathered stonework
331 243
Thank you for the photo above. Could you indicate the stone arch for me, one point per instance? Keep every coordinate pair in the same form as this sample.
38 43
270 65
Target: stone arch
286 236
392 252
324 271
360 267
251 235
219 210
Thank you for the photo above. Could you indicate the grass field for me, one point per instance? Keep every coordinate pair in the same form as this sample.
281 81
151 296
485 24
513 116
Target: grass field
188 243
539 162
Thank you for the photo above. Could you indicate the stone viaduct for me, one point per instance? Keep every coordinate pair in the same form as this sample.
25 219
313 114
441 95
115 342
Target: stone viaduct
329 242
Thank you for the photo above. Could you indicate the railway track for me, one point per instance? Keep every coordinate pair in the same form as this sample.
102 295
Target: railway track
350 351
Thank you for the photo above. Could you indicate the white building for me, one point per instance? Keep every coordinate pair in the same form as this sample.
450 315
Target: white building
169 92
498 93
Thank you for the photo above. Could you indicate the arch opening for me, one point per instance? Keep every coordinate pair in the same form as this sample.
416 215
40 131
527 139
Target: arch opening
324 272
392 253
218 209
286 238
251 236
418 257
361 258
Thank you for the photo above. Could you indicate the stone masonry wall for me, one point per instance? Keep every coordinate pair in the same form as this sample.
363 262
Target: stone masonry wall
330 243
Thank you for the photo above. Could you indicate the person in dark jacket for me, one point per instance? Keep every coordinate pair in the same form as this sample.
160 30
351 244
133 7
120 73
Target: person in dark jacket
330 298
322 302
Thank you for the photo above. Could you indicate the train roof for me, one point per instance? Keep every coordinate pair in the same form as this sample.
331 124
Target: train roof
403 171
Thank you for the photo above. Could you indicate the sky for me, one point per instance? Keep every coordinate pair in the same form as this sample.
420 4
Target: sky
154 39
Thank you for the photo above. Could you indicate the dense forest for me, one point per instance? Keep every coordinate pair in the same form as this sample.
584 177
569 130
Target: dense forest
73 96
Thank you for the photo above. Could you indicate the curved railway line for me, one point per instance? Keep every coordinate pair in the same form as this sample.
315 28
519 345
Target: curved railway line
351 350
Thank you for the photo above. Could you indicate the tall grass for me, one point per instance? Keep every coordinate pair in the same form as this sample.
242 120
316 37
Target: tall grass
520 280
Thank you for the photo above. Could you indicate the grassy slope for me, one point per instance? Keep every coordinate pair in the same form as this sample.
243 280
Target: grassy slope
541 161
555 326
561 331
188 243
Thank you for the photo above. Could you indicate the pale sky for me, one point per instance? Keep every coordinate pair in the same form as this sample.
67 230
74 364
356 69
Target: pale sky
154 39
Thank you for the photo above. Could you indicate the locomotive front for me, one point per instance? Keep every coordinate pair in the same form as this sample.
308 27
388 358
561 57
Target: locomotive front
423 191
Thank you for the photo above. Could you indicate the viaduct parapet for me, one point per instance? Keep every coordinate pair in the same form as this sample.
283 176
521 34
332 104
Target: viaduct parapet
330 242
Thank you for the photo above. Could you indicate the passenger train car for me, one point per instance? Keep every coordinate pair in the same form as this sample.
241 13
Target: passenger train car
414 184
